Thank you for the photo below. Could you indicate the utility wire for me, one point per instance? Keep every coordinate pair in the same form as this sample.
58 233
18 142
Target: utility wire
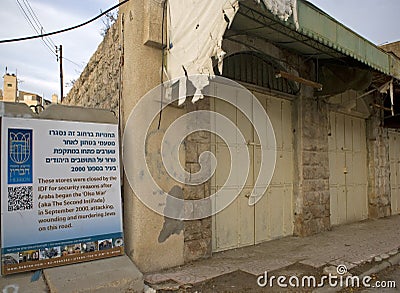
63 30
69 60
31 13
34 27
37 21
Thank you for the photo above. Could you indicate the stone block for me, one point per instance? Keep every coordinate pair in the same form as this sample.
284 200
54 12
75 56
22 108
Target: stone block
191 151
316 172
22 283
311 158
193 230
310 198
197 249
193 167
117 274
203 147
193 192
206 223
315 185
199 136
318 210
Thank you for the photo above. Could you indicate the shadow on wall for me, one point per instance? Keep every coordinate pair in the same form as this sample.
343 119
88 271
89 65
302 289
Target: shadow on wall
172 226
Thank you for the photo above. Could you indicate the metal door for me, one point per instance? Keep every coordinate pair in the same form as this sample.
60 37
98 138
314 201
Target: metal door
239 224
274 212
348 169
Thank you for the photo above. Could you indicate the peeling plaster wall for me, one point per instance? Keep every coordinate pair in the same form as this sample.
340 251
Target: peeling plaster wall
141 73
197 233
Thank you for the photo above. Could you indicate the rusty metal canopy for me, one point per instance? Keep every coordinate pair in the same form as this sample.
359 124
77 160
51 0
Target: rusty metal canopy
318 36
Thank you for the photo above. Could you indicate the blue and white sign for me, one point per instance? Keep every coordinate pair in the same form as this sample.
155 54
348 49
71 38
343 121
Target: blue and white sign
20 156
60 193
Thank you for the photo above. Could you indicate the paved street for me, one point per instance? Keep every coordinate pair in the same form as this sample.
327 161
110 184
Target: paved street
365 243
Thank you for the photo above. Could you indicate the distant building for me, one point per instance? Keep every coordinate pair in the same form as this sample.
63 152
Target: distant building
30 99
393 48
10 88
54 99
11 93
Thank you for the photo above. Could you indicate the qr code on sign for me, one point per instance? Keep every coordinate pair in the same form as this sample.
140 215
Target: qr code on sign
20 198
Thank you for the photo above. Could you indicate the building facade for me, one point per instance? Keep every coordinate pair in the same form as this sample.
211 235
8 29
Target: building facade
10 88
330 96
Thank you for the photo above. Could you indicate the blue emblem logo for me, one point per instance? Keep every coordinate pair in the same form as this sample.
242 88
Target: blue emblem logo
19 156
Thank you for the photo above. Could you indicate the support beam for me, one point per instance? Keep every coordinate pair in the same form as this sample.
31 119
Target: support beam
295 78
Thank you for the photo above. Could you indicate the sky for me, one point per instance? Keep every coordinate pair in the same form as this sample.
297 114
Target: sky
37 67
375 20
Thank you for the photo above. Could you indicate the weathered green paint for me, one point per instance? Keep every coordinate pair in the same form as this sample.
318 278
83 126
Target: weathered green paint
324 29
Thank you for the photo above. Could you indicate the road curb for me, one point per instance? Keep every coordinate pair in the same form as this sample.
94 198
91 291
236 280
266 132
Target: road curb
392 261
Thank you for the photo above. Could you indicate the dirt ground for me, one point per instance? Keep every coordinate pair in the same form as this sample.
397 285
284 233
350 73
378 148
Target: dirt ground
240 281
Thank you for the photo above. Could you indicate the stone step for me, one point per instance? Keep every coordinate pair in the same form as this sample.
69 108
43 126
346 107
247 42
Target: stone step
117 274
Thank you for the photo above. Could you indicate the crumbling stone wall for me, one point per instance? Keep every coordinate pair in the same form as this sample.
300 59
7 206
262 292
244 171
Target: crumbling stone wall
378 167
311 186
197 233
99 84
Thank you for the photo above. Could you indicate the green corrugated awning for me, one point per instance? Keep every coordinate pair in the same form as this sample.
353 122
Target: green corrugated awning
318 35
324 29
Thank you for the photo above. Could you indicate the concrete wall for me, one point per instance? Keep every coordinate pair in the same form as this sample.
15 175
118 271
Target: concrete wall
99 84
141 26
